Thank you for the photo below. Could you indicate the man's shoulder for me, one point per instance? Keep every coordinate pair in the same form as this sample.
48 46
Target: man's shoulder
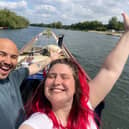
17 73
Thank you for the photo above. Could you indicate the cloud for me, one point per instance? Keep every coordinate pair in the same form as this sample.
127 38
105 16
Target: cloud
45 9
13 5
67 11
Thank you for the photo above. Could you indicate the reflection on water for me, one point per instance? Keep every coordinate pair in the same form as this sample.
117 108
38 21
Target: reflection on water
90 49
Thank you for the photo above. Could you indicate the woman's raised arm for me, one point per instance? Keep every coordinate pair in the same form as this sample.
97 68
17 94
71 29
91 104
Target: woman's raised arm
113 66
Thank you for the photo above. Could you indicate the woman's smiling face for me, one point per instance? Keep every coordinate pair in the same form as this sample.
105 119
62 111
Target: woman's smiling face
60 84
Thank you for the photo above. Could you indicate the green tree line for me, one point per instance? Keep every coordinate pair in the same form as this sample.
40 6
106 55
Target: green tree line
11 20
113 24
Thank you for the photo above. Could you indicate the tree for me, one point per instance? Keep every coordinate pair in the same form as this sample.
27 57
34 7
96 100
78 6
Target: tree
115 24
11 20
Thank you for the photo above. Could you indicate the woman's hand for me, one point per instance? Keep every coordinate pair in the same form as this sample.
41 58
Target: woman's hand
126 21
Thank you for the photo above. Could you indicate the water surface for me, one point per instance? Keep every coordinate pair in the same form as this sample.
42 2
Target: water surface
90 49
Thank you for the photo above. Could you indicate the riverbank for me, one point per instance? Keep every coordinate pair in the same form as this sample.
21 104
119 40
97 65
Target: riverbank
107 32
2 28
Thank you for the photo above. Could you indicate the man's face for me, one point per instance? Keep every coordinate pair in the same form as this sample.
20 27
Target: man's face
8 57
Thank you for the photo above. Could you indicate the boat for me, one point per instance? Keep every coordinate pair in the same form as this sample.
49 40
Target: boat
39 49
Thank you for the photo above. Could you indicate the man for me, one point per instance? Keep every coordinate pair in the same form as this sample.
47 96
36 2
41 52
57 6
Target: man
11 107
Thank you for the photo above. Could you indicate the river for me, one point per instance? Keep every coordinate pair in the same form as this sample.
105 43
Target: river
90 49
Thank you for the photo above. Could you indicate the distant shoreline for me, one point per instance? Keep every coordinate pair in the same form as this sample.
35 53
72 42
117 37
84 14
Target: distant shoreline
3 28
107 32
100 32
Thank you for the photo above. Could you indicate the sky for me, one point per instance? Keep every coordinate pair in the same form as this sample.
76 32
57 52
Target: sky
67 11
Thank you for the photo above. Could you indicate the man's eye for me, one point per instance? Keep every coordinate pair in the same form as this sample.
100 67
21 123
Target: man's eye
2 54
14 56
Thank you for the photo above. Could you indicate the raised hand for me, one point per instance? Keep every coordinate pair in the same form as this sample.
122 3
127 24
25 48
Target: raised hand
126 21
55 54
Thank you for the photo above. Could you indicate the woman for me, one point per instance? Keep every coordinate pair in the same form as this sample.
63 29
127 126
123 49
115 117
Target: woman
65 100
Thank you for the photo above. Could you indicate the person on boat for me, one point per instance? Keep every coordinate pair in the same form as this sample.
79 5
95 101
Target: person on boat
65 100
11 107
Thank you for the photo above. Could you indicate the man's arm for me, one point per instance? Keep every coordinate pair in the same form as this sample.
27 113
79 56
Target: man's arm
38 66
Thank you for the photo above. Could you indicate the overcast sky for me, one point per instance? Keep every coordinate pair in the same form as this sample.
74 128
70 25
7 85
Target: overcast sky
67 11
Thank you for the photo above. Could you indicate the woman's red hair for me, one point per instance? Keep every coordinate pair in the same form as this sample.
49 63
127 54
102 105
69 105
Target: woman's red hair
78 117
